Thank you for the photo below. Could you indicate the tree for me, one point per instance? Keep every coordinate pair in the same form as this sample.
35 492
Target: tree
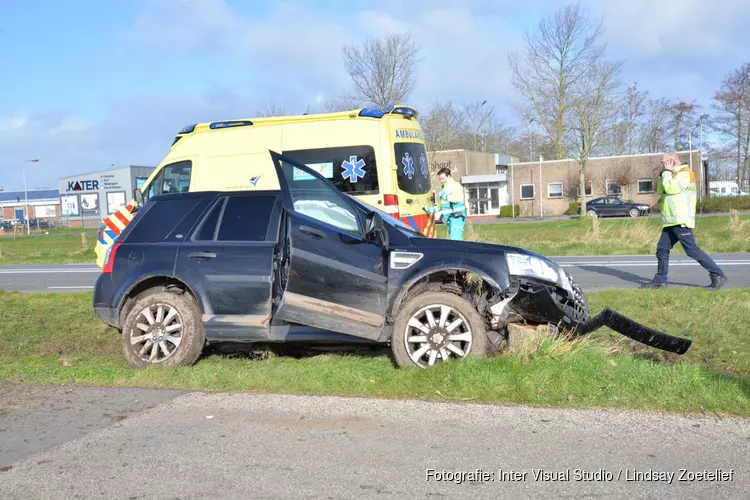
443 127
631 113
270 109
683 121
655 125
594 109
733 121
561 53
383 70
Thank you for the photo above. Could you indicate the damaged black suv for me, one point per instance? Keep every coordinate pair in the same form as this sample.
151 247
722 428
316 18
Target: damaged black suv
309 264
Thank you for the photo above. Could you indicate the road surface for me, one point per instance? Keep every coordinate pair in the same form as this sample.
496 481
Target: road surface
77 442
591 272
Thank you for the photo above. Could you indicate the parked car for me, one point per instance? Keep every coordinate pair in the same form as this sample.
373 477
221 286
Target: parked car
310 264
610 206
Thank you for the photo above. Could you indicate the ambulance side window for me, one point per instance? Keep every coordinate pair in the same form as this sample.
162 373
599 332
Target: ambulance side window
352 169
174 178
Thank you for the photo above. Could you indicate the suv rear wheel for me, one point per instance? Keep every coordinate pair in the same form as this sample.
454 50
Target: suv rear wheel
437 326
163 329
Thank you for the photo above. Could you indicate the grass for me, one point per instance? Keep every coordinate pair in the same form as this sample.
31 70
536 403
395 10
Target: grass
570 237
55 338
47 250
614 237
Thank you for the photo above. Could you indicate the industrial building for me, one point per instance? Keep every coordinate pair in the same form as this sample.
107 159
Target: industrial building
86 199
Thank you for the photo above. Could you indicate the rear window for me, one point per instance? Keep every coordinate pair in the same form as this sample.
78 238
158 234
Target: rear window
352 169
160 219
413 170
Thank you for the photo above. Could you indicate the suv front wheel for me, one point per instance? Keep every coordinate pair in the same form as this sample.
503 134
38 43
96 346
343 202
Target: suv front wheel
163 329
437 326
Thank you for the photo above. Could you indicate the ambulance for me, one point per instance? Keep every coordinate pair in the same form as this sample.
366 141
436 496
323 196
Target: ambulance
376 155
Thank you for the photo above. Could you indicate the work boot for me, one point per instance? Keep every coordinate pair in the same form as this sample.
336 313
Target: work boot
653 284
717 282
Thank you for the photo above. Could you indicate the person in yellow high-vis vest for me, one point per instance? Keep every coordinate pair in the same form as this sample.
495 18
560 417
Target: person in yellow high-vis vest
451 205
679 197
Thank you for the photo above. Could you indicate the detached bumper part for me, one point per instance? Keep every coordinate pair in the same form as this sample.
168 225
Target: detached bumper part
539 306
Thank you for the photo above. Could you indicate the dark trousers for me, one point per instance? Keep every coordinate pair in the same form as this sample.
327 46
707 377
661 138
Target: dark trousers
669 238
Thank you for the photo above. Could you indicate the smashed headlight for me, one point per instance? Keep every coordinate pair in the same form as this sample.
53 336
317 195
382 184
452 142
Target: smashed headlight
534 267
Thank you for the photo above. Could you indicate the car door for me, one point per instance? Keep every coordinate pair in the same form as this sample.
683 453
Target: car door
228 261
335 279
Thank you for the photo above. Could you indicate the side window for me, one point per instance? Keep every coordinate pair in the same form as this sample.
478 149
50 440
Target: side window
160 220
174 178
246 218
207 228
352 169
314 198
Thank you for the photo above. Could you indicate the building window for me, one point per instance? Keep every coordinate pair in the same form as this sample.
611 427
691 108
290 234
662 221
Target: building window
645 186
613 189
589 191
555 190
527 191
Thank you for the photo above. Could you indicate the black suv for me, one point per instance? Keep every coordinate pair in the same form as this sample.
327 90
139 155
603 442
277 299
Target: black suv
310 264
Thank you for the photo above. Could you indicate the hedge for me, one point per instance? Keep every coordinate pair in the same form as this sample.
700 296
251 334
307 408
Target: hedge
573 208
726 203
506 211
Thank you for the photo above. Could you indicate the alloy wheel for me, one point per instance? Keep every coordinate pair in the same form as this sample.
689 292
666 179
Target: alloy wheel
158 333
437 332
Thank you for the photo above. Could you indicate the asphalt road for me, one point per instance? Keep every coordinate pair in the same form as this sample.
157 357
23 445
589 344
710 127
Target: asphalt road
76 442
591 272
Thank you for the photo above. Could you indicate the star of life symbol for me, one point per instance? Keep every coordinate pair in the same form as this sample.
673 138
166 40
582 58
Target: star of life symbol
408 163
423 164
353 168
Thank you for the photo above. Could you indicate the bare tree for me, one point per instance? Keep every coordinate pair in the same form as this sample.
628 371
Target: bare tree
733 121
683 120
594 110
269 109
341 104
383 70
655 125
443 126
631 114
558 55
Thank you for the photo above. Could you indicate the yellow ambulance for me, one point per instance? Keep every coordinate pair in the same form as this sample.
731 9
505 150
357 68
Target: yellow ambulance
376 155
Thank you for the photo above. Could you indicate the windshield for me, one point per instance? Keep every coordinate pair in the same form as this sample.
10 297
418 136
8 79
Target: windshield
413 169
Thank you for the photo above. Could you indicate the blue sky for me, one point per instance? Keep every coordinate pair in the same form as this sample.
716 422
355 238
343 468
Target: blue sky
87 84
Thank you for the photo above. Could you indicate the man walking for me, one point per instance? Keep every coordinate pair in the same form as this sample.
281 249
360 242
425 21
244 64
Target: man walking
451 205
678 190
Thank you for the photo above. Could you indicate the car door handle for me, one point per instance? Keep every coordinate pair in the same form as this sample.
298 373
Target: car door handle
312 232
202 255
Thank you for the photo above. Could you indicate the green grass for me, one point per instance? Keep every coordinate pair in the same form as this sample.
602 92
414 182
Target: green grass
55 338
55 249
614 237
568 237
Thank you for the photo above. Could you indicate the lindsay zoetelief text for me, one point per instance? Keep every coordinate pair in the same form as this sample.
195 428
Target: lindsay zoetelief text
598 475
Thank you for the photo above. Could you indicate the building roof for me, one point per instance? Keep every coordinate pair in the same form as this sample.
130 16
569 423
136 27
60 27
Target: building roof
35 194
103 170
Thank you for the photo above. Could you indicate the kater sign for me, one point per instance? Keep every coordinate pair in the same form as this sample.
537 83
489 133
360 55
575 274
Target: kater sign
89 185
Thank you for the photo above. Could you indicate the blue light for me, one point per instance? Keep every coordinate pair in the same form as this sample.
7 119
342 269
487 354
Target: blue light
188 129
407 112
231 123
376 112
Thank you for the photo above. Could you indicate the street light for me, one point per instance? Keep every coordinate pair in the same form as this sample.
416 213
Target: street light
26 196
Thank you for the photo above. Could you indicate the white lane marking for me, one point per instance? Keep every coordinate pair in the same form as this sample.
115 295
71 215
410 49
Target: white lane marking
69 287
647 264
45 271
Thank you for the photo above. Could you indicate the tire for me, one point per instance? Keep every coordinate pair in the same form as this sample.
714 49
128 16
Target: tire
435 346
184 344
634 212
592 213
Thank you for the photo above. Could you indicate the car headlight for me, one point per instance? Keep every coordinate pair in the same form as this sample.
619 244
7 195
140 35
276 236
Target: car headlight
527 265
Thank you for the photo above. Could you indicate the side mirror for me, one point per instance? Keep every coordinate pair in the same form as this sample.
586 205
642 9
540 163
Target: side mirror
376 227
138 197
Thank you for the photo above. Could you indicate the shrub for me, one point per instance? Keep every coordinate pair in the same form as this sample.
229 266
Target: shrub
726 203
506 210
573 208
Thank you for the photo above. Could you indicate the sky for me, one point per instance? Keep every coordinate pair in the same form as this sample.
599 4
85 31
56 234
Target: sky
90 84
